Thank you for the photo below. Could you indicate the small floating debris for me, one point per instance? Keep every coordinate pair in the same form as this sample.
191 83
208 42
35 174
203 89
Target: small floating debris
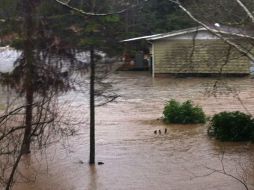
100 163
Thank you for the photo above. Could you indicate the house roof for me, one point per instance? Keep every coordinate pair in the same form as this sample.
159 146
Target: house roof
140 38
226 30
177 33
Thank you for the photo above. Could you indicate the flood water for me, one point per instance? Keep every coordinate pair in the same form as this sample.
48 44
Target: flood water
137 159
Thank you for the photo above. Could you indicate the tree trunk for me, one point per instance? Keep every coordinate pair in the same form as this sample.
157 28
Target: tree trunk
92 108
28 83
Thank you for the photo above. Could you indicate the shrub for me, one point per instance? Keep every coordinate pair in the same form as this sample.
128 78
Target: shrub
185 113
232 126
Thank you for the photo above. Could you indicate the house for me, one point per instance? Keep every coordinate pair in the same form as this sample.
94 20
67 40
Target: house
196 51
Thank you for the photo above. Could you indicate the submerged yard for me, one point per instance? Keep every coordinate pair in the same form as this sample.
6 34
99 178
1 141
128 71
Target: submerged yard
135 158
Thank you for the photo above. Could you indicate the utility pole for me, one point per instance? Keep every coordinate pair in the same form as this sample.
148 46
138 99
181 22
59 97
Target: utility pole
92 107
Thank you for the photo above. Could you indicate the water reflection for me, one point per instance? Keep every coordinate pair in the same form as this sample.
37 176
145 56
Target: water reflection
93 178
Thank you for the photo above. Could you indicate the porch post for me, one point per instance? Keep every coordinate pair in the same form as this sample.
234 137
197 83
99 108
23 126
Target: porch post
153 60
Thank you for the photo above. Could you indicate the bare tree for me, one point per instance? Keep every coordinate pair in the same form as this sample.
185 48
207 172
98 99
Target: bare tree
239 173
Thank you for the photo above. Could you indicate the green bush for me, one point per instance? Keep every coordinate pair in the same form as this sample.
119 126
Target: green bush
185 113
232 126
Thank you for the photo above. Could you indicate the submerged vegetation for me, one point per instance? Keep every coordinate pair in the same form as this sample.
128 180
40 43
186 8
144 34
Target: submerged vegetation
232 126
183 113
224 126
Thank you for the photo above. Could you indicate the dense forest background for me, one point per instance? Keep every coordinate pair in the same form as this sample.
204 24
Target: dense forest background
59 24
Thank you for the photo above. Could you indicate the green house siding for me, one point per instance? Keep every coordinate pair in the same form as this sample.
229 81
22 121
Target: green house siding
199 56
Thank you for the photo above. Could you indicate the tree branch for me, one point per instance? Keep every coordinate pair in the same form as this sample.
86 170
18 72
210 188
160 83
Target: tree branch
90 13
217 32
246 10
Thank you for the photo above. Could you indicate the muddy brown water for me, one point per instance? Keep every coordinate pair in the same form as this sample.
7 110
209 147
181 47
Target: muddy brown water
137 159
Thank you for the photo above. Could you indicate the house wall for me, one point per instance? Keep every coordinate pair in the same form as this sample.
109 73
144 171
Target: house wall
197 56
